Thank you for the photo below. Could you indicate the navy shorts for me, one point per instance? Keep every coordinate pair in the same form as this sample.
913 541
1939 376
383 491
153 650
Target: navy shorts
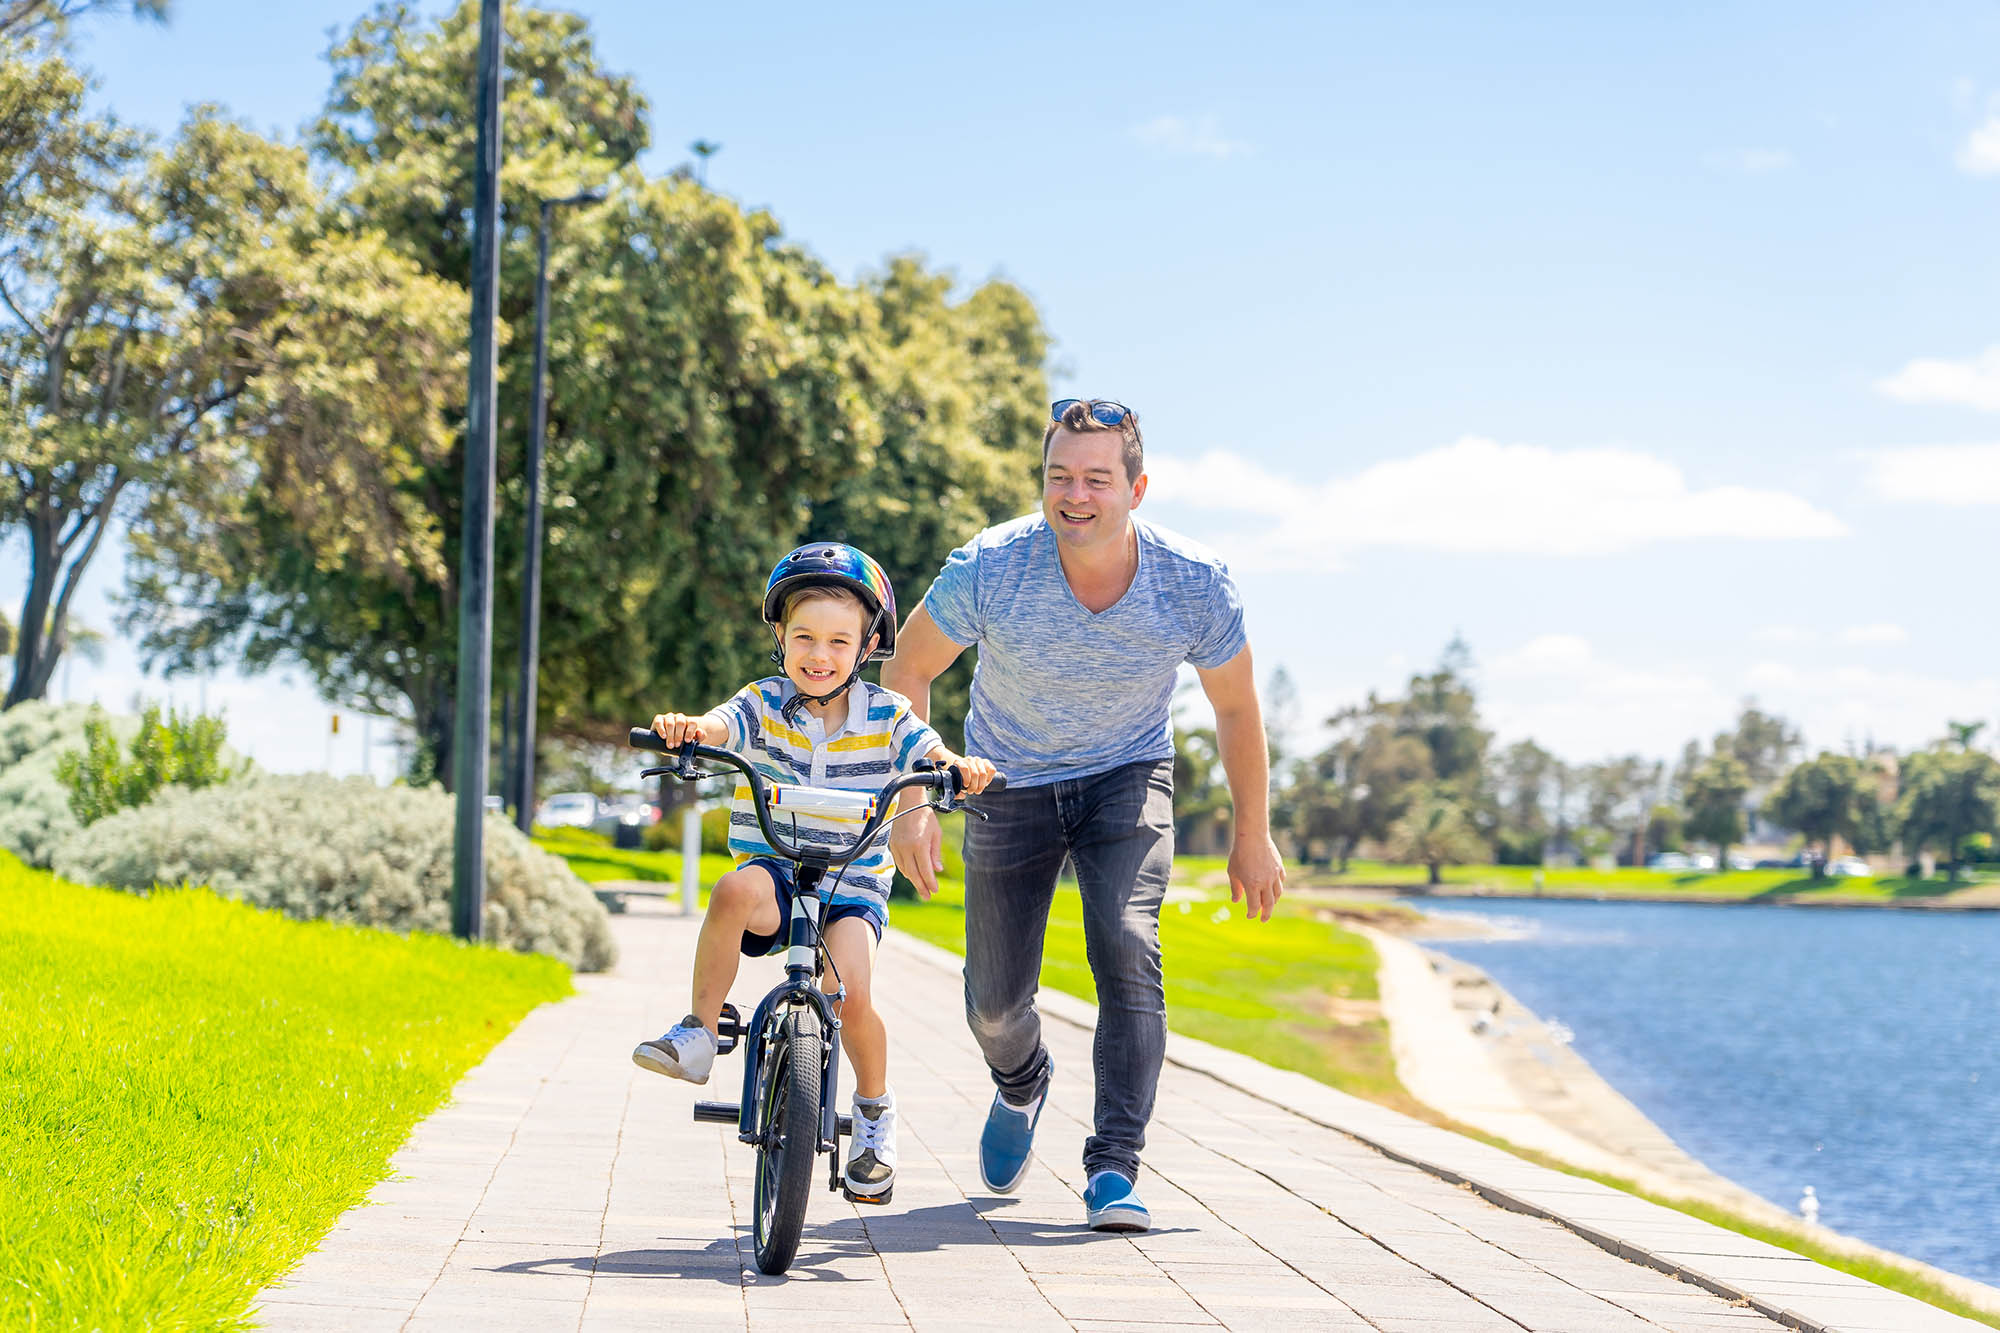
759 946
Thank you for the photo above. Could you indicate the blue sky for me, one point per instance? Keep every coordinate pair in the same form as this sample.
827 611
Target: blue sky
1612 341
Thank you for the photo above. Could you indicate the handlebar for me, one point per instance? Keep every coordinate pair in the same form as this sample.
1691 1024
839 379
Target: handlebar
942 779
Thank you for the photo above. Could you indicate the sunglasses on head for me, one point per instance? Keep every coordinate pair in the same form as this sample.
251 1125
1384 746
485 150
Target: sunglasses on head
1104 410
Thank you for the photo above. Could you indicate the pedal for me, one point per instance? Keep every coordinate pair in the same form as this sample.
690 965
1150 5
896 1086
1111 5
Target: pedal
720 1113
843 1124
852 1197
728 1030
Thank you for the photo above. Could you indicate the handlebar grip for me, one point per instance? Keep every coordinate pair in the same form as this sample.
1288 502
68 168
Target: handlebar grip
645 738
999 783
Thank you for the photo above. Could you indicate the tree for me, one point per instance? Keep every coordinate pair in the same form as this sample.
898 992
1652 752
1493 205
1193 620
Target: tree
1666 827
1524 777
1436 832
1763 743
1360 783
1824 799
1715 803
49 21
1948 795
718 396
1442 711
181 332
1199 787
1619 797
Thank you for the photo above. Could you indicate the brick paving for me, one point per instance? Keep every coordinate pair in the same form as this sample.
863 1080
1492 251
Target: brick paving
563 1188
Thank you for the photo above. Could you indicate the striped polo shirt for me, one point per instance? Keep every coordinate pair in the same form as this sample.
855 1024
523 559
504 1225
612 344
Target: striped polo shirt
881 738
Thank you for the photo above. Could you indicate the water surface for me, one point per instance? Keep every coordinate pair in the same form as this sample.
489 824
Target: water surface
1854 1051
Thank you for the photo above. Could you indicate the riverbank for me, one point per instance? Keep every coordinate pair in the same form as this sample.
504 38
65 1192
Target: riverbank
1788 887
1466 1048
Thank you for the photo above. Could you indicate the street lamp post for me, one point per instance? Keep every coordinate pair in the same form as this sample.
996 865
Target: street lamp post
471 732
531 581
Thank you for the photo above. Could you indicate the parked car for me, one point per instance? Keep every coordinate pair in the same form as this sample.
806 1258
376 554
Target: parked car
569 809
1741 861
1853 867
1781 862
1669 861
1703 861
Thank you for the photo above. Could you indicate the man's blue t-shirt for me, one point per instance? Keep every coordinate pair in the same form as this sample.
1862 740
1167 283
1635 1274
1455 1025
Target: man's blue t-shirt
1060 693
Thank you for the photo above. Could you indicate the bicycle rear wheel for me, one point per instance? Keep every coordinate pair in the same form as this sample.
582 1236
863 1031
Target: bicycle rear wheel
788 1121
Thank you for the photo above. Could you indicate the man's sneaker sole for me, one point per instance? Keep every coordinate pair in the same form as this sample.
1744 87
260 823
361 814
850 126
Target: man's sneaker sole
1121 1217
652 1057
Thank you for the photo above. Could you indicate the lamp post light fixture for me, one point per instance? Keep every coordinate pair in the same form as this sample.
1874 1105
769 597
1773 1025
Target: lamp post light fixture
531 582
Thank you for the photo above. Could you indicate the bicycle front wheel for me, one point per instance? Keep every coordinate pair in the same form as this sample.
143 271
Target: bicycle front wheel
788 1139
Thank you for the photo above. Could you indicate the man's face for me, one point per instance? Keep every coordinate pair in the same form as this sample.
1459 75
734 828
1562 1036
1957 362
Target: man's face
1085 495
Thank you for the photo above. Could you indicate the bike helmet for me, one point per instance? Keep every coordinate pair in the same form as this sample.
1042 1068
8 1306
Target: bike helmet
834 565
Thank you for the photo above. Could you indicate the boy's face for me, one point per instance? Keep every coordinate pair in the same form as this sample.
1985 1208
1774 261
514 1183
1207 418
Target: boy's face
822 643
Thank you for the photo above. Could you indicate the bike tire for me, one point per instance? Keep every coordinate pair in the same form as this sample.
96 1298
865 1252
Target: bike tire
788 1140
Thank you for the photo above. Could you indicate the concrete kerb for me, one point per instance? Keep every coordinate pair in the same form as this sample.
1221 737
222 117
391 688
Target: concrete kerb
1399 1137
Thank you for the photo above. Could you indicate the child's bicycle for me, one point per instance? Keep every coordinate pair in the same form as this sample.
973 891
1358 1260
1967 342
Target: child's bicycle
787 1109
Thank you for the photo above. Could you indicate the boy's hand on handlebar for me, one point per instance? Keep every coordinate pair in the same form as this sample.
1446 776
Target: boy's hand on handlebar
677 729
974 774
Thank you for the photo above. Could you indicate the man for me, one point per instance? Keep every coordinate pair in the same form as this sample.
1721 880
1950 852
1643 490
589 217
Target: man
1083 615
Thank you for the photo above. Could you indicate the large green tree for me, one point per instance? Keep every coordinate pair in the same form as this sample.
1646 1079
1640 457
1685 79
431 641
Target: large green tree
1436 831
1826 798
717 396
1714 801
178 330
1949 793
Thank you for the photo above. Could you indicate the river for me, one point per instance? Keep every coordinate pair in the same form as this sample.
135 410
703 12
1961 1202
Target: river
1854 1051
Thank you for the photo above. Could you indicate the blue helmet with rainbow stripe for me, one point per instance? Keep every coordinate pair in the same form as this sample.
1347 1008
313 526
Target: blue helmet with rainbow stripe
837 565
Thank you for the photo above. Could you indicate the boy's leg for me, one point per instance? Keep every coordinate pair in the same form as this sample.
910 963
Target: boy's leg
1123 842
870 1173
743 901
850 943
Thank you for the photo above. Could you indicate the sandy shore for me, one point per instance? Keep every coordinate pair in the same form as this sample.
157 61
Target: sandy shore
1466 1048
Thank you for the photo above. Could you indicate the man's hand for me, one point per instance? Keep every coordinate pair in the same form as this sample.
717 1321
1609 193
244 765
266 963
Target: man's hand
916 845
974 774
1256 875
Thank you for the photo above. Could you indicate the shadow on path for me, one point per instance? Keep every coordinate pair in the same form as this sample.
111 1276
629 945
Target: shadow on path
923 1230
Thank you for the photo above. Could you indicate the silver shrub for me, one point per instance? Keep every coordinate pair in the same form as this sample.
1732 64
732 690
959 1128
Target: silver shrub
34 806
344 850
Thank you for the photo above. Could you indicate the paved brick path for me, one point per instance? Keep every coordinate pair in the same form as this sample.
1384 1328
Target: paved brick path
565 1189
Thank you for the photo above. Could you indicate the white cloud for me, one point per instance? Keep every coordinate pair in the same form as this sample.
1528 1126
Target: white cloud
1477 496
1979 155
1750 161
1946 474
1197 136
1882 633
1972 382
1782 634
1559 690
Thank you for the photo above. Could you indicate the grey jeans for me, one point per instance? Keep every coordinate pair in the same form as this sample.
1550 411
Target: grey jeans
1118 828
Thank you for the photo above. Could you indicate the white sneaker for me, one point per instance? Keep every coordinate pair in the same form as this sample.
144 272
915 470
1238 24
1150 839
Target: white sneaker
871 1162
686 1051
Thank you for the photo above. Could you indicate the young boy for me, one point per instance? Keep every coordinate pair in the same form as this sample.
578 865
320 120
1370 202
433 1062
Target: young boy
832 611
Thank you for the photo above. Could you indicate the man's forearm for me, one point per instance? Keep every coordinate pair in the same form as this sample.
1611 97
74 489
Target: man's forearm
1239 736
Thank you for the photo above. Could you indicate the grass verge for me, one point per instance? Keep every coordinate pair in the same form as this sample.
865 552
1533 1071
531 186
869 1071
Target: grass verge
192 1090
1747 886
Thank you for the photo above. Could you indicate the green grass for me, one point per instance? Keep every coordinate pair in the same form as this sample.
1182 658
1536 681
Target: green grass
1296 991
192 1091
595 860
1732 885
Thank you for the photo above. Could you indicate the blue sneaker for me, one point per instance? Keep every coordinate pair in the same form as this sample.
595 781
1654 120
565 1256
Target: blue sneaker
1113 1206
1007 1143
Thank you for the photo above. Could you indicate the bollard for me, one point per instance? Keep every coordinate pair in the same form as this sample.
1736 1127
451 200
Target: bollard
690 859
